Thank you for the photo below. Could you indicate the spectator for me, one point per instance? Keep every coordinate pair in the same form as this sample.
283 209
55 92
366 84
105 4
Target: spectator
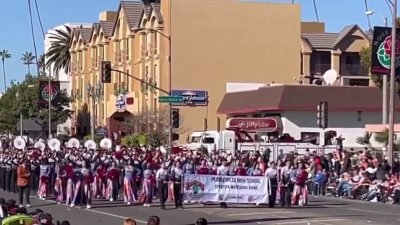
129 221
153 220
23 183
201 221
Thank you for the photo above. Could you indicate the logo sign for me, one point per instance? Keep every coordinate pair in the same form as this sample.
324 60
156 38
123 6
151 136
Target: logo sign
382 50
102 131
191 97
120 103
49 91
253 124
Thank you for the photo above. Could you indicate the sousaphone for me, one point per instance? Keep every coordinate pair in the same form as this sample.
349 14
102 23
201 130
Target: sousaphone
73 143
90 144
39 145
54 144
19 143
106 143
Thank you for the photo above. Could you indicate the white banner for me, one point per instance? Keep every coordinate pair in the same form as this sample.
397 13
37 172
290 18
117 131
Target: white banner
229 189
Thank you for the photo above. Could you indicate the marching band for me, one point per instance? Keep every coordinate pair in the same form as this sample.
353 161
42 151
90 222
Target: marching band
76 174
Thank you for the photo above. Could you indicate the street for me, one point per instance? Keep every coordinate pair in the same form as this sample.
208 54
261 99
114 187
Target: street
321 211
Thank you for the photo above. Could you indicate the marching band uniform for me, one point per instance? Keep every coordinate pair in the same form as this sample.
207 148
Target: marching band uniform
129 184
44 179
112 182
86 188
162 184
148 187
59 183
100 182
70 177
300 188
177 176
203 169
223 170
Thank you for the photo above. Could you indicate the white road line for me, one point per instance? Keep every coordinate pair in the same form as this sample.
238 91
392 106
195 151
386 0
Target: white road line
309 221
114 215
257 213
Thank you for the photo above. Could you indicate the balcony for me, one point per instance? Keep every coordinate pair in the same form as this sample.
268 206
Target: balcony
319 68
118 57
144 51
95 63
124 55
353 70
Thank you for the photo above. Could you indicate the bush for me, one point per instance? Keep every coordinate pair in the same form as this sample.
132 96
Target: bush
135 140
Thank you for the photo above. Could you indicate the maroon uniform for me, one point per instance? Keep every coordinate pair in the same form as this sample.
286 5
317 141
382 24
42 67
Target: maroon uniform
241 171
203 170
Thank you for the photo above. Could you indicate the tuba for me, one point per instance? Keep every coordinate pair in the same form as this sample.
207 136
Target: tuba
106 143
90 144
39 145
54 144
73 143
19 143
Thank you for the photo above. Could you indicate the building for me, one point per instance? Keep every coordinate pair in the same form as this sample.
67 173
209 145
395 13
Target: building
61 76
199 46
322 51
294 107
235 42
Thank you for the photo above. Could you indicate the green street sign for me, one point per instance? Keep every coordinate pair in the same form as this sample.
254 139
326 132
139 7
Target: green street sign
170 99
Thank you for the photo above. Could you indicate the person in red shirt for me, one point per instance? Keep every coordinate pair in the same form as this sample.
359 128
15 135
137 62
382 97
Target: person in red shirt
241 170
203 169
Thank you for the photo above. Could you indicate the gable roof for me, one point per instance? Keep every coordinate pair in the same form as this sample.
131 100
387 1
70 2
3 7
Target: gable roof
330 40
133 11
107 28
86 34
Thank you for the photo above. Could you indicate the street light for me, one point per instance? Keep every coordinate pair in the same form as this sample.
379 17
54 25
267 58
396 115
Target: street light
384 77
168 37
95 93
21 132
393 6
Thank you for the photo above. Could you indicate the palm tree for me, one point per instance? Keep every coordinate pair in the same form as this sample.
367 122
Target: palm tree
40 65
4 55
58 54
27 58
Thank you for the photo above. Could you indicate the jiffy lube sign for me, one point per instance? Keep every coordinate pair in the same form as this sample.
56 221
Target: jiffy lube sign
382 49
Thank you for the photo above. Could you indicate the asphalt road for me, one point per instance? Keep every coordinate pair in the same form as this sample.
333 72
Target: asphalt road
320 211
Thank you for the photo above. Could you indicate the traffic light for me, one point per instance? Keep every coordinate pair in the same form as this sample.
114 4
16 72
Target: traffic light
175 118
322 115
106 72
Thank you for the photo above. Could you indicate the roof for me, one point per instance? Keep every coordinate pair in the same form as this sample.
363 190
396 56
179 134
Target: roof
86 34
107 28
302 98
133 11
330 40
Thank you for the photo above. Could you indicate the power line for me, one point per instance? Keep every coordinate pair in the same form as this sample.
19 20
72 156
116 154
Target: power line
40 19
33 37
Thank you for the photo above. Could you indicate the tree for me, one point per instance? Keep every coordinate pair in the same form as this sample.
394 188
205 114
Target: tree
28 58
154 124
40 65
58 54
10 107
4 54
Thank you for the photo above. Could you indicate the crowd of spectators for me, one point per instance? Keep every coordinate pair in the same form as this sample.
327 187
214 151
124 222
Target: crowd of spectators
9 209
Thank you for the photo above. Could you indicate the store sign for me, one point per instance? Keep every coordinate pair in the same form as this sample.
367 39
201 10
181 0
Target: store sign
253 124
120 103
191 97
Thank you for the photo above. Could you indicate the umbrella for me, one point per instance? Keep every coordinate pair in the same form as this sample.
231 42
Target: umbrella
18 220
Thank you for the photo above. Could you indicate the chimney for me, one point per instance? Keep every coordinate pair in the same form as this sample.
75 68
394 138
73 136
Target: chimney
110 16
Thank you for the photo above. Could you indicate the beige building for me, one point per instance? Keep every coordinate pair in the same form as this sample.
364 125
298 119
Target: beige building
195 45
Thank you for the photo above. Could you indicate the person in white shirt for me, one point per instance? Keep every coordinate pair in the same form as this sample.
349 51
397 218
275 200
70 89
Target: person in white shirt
223 170
272 174
162 179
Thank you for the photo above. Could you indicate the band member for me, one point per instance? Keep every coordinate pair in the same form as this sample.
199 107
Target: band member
100 181
177 176
146 196
129 183
300 187
286 185
23 183
203 169
44 179
162 184
86 188
272 174
112 182
69 176
59 182
241 170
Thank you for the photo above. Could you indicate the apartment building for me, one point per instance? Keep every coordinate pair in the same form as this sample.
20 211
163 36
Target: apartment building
181 45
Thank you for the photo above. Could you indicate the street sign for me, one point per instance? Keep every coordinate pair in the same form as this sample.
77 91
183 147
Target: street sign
170 99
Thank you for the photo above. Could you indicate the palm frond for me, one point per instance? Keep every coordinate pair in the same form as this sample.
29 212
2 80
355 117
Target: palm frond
58 54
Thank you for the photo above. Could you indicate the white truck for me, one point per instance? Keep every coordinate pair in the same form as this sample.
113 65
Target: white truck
227 141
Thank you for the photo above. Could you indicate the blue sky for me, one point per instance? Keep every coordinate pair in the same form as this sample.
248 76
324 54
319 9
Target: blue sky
15 34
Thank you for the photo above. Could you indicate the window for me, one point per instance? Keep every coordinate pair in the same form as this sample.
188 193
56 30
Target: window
127 81
155 77
155 43
127 49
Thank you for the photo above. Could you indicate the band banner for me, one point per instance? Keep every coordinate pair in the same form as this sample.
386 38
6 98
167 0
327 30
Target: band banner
229 189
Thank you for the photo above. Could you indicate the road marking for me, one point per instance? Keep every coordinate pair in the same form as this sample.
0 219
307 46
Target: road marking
310 221
114 215
258 213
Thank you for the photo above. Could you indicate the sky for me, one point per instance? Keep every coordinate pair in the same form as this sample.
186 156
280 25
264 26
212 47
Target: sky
15 35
